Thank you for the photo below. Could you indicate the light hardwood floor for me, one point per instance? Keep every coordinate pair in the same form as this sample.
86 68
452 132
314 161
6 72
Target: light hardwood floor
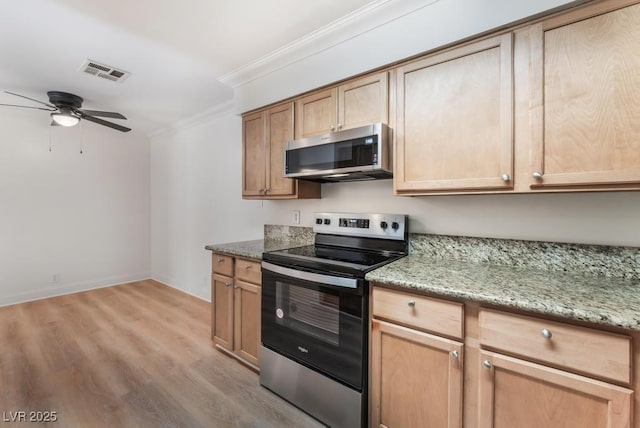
138 354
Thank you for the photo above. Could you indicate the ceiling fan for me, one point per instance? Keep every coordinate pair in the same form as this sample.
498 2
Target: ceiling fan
65 110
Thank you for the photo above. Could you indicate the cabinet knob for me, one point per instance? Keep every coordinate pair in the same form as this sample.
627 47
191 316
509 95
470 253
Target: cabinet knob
247 267
506 178
236 286
546 333
487 364
454 355
220 260
411 303
333 127
339 126
228 284
537 175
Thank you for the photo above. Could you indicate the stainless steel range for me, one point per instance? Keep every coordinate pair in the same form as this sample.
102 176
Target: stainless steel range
315 304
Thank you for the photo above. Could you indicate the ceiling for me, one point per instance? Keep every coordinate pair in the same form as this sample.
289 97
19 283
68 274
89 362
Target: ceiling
175 51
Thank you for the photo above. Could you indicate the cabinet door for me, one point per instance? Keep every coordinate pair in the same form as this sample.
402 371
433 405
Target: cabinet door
454 127
586 115
416 378
364 101
222 311
279 131
247 321
317 113
253 155
516 393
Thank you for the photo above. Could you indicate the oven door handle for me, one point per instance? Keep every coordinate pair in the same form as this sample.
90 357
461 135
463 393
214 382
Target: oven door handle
337 281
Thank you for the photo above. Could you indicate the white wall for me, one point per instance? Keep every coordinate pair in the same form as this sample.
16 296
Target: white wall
82 217
196 200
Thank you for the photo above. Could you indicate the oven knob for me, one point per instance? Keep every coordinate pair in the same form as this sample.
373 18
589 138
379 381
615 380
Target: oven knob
327 221
383 224
395 225
318 221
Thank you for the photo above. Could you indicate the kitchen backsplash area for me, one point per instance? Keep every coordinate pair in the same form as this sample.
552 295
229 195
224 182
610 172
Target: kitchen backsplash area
601 260
295 235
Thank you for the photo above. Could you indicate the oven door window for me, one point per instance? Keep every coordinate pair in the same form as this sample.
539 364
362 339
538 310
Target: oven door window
309 312
317 325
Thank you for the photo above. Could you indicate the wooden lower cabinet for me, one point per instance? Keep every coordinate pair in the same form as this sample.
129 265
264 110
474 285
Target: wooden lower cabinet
503 369
416 378
235 311
518 393
247 320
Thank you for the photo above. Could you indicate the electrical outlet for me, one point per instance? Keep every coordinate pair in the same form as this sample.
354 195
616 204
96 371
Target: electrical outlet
295 216
55 278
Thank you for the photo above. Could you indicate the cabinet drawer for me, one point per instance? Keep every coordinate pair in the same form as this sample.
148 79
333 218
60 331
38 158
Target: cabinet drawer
592 352
434 315
221 264
248 270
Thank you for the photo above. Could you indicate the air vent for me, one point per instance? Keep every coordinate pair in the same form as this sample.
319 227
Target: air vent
105 71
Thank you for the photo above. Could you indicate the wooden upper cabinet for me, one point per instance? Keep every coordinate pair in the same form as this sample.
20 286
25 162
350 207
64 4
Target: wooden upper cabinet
454 120
279 122
316 113
264 134
253 155
364 101
585 81
359 102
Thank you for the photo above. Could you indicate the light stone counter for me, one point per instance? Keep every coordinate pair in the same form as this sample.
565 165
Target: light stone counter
275 238
558 281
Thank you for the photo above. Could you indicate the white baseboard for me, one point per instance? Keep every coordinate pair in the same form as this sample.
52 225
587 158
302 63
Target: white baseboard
62 289
170 282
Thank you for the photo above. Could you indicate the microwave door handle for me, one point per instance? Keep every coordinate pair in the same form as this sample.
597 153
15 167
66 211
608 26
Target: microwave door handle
337 281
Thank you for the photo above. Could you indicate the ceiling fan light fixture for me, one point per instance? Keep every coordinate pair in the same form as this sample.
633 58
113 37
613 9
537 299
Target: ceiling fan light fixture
65 119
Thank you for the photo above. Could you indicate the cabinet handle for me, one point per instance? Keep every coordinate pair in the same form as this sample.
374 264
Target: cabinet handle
546 333
236 287
266 191
247 267
487 364
411 303
227 284
506 178
454 355
220 260
537 175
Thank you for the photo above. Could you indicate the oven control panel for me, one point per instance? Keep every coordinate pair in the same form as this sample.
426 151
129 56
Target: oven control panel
388 226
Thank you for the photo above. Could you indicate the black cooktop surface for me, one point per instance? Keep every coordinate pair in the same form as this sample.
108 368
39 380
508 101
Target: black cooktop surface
331 259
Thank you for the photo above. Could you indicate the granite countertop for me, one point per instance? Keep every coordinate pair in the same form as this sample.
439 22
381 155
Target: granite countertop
597 299
251 249
276 237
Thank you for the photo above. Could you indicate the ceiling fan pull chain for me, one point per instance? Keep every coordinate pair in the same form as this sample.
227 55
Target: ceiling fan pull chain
49 139
81 138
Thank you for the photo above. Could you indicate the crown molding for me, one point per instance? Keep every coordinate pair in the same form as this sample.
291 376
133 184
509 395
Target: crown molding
211 113
360 21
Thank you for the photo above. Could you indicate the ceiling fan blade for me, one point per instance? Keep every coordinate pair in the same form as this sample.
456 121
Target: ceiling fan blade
22 96
110 114
105 123
37 108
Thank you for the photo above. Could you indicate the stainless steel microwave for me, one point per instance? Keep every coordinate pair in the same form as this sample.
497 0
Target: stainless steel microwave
362 153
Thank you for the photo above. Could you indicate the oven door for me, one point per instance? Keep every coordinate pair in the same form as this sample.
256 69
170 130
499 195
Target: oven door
317 320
